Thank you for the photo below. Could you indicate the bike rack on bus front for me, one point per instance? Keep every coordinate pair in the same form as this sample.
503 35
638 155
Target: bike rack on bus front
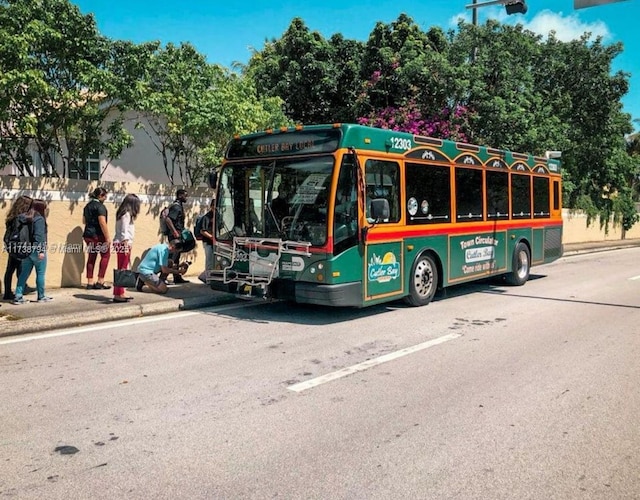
262 256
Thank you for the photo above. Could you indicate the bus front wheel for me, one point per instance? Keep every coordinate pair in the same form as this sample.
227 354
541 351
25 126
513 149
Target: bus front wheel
520 265
424 281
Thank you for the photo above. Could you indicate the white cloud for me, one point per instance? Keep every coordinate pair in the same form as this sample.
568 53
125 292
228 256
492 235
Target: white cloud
566 27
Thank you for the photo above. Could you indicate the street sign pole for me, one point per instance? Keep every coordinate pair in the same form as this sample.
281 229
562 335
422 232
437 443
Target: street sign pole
583 4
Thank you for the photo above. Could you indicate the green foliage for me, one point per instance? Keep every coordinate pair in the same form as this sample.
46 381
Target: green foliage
64 88
494 84
53 84
315 77
191 108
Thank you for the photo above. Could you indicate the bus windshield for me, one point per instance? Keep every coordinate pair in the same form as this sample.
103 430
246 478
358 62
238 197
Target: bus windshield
282 198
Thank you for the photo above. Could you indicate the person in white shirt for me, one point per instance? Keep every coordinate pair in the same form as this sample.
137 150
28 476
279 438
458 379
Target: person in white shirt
123 239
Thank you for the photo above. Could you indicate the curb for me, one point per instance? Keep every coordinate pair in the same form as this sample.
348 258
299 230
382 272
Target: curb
20 326
597 248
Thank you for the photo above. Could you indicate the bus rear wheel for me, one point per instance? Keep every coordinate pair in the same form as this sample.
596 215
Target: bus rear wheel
520 265
423 282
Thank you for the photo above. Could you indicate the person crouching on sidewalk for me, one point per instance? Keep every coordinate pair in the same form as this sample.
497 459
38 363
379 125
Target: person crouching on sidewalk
156 266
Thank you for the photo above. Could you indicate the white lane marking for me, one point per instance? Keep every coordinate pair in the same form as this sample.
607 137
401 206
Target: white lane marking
329 377
635 278
120 324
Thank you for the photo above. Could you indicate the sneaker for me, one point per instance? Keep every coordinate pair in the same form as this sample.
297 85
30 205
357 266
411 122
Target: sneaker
27 290
101 286
45 299
18 301
139 285
178 280
9 296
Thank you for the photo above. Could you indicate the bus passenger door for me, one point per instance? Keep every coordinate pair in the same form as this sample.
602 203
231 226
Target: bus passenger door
383 251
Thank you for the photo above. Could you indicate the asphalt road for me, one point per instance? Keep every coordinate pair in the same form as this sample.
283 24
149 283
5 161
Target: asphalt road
490 392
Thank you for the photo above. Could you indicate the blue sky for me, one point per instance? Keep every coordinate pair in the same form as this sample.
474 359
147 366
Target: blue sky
227 33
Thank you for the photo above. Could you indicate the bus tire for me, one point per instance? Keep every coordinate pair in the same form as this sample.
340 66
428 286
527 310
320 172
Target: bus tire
520 265
423 281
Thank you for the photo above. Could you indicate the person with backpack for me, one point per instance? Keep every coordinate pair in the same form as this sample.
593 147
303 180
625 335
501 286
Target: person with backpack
37 258
174 221
123 238
96 236
204 231
14 264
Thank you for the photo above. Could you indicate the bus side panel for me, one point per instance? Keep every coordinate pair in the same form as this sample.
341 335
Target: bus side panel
515 236
384 271
552 243
477 255
537 246
416 246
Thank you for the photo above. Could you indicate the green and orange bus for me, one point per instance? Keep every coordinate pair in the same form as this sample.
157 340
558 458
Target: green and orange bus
350 215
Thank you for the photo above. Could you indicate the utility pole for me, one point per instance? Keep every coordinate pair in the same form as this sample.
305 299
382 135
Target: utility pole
511 6
474 16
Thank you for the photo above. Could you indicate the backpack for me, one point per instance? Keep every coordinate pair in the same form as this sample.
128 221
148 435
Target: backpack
197 228
188 241
164 229
18 239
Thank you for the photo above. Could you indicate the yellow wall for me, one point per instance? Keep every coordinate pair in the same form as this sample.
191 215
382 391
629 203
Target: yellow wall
66 198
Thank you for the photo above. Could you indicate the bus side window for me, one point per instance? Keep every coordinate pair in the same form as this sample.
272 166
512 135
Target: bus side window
497 195
469 201
383 181
428 193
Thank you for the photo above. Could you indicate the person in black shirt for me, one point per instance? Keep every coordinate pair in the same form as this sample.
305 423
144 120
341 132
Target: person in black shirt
175 225
96 236
206 233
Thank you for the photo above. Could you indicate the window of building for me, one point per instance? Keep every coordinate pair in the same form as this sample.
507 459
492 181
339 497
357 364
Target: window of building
88 169
39 168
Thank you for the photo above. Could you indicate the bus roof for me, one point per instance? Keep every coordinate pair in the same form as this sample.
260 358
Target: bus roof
310 139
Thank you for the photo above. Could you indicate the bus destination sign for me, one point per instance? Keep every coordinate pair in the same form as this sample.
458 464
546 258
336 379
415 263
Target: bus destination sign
283 144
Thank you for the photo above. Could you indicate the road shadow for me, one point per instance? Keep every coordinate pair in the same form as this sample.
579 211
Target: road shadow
307 314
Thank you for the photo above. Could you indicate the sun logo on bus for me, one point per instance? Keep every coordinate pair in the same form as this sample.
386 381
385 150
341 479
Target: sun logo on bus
383 269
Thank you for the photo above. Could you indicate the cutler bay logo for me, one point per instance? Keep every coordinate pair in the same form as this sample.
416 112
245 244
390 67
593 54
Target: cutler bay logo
383 269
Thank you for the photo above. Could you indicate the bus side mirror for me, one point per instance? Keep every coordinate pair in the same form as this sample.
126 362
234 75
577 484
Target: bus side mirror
213 179
379 209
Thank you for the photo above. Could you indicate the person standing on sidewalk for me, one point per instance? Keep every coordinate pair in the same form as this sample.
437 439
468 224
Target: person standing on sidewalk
96 236
14 265
206 233
38 257
175 225
123 238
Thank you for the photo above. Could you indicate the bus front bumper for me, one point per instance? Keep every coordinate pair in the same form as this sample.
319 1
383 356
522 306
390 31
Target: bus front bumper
341 295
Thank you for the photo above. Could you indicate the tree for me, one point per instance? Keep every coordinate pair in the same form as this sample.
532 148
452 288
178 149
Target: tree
408 82
55 88
316 78
191 108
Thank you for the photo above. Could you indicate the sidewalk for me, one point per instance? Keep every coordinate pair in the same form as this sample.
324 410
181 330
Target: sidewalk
73 307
